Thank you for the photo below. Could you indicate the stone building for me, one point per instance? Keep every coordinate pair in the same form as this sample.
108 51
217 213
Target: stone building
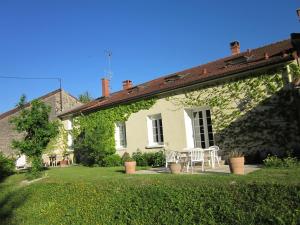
59 100
242 102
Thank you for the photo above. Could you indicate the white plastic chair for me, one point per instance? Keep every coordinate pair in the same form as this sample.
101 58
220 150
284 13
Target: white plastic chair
172 156
196 155
214 155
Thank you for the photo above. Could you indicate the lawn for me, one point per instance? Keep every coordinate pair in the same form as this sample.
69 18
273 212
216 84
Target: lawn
81 195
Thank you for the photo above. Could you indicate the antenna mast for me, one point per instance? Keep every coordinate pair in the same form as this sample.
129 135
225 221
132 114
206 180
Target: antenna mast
109 72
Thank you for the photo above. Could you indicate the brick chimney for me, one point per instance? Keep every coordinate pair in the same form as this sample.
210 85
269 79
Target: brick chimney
127 84
235 47
105 87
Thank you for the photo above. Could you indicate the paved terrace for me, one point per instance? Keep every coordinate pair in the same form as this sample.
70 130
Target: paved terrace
197 170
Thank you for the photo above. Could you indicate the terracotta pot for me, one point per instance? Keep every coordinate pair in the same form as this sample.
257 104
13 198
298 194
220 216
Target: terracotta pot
236 165
64 163
175 168
130 167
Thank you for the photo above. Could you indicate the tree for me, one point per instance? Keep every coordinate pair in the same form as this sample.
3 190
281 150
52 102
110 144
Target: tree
38 130
22 101
85 97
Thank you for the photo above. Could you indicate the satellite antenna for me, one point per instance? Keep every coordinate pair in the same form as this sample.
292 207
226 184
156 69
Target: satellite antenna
108 54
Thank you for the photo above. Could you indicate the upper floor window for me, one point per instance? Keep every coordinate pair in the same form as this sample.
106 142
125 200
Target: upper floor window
155 130
120 135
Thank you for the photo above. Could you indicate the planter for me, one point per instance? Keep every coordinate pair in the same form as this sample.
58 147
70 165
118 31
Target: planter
64 163
130 167
175 168
236 165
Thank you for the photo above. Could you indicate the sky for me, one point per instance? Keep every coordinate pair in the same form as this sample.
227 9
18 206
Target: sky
147 38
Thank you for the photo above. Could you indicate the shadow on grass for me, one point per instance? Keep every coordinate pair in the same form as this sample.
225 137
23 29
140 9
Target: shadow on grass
11 198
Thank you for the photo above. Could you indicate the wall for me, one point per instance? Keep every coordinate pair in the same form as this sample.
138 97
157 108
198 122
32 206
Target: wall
7 132
255 115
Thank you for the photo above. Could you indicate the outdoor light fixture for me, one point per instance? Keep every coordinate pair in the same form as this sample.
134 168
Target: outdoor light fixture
298 13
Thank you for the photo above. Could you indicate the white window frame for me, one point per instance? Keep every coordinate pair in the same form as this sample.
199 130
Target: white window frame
189 126
119 145
151 142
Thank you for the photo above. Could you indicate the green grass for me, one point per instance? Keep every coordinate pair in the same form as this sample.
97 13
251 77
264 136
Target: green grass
81 195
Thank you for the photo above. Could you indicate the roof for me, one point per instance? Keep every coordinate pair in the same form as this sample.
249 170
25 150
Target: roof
13 111
271 54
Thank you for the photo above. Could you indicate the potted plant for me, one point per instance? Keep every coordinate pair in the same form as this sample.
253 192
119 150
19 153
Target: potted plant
64 162
175 167
129 163
236 162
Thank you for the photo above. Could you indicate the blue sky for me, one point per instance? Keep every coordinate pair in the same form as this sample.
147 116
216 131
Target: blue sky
148 39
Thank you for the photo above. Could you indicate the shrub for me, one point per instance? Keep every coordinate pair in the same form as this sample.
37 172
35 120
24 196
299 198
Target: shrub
112 160
149 158
275 162
126 157
7 166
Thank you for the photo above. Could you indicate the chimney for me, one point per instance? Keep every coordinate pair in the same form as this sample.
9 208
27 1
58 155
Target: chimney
235 47
127 84
105 87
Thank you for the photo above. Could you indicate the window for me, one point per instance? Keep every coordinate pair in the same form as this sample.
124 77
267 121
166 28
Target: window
202 128
155 130
120 135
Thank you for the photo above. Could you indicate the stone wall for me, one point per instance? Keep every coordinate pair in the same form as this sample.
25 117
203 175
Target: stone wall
7 132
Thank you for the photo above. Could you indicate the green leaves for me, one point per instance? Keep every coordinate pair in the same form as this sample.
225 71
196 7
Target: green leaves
95 132
38 130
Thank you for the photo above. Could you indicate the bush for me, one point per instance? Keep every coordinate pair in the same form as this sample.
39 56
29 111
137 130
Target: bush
112 160
7 166
149 158
275 162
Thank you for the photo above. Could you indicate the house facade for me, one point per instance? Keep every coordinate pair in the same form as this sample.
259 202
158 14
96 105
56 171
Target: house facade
243 102
58 100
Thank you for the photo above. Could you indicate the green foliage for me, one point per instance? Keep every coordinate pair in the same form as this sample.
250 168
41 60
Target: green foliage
107 196
126 157
38 131
94 133
235 154
154 159
295 70
275 162
7 166
85 97
112 160
22 101
248 114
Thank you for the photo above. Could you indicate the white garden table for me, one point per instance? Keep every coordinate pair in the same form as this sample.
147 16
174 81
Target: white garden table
185 157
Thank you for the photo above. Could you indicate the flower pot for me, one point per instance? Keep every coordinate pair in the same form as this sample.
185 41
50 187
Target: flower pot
175 168
64 163
236 165
130 167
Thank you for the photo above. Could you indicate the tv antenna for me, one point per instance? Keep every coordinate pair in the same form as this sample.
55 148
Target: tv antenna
108 54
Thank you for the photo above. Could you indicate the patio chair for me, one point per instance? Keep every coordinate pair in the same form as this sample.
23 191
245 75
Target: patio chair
196 155
172 156
214 156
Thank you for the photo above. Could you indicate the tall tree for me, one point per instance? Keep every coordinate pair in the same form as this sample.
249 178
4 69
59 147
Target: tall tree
85 97
38 130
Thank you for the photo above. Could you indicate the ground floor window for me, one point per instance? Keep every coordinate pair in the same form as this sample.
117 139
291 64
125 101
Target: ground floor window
202 128
120 135
155 130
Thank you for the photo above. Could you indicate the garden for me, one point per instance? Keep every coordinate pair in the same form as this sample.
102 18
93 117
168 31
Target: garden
98 195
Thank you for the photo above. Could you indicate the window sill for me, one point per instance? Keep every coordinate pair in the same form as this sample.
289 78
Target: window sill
154 146
121 149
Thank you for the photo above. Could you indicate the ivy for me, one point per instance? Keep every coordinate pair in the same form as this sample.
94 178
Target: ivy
248 114
94 132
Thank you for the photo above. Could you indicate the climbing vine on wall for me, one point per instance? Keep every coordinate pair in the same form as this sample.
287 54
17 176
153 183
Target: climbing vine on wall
95 132
248 114
60 142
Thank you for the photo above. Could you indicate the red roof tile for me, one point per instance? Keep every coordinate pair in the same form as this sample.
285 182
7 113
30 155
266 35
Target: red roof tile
251 59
